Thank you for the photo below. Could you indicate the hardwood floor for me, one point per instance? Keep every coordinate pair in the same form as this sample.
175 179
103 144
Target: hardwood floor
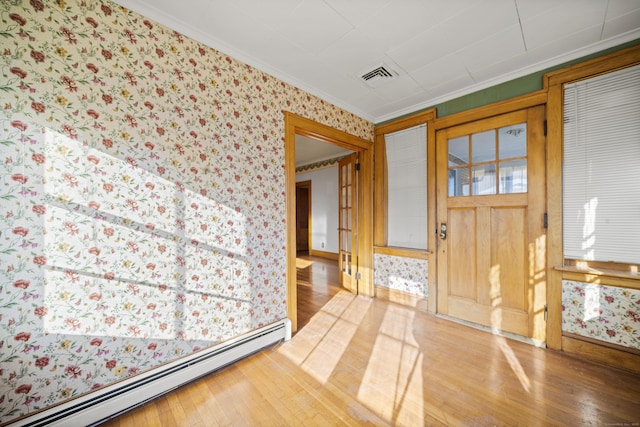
317 283
362 361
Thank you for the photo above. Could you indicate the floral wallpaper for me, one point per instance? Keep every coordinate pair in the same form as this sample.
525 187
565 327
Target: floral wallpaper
143 211
403 274
605 313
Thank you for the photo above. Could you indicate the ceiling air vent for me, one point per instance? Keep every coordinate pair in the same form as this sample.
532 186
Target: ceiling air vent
379 75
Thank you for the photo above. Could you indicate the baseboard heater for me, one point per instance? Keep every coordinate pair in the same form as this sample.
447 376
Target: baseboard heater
110 401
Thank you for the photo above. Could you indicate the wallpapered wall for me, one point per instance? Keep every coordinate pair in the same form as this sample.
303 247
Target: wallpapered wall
402 274
605 313
143 212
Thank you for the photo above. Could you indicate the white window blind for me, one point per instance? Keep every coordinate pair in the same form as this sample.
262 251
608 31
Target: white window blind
601 168
407 187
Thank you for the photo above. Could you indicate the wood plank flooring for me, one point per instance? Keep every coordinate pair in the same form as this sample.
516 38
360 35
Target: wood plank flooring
361 361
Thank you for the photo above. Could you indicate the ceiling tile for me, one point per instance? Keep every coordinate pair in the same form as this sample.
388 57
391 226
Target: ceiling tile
245 43
621 24
358 11
564 45
452 86
618 8
313 25
479 22
562 21
440 71
528 9
266 11
400 87
501 68
475 23
353 53
393 24
493 49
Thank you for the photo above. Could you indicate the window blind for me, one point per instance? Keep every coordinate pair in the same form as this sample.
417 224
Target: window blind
407 187
601 168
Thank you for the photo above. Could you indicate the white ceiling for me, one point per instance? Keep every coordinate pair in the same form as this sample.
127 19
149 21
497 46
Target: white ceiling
441 49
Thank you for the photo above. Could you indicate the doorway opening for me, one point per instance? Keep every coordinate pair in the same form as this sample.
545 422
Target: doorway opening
362 268
303 217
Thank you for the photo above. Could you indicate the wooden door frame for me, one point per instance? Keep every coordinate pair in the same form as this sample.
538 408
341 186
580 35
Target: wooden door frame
298 125
306 184
534 198
553 83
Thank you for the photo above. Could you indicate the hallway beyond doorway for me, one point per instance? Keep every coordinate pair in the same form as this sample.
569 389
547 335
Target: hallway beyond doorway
317 282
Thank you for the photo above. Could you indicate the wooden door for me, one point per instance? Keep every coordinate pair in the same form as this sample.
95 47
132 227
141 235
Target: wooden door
491 222
347 259
303 212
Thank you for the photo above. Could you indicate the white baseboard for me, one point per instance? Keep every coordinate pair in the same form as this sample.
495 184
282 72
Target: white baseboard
105 403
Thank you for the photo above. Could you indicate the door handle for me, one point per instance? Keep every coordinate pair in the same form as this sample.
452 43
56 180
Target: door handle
443 231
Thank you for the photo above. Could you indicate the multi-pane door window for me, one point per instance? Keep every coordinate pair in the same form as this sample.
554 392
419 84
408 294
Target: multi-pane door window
489 162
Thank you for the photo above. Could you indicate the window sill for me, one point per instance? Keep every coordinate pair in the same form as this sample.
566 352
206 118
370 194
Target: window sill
603 276
402 252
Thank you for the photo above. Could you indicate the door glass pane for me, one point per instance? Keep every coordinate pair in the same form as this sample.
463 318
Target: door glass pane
513 141
458 182
348 174
513 176
484 179
459 151
347 203
483 146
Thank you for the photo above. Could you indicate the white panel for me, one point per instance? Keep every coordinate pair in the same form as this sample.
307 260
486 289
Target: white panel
622 24
564 44
494 49
353 52
560 22
401 86
451 86
440 71
312 25
324 208
358 11
384 29
483 20
618 8
601 177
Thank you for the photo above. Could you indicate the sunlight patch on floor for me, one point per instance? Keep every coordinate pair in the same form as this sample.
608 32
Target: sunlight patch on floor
318 347
514 363
392 385
303 263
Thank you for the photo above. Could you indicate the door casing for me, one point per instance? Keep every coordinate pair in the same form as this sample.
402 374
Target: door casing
535 290
298 125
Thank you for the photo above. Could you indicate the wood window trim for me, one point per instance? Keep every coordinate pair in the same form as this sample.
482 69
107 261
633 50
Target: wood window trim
380 173
553 85
427 117
602 273
402 252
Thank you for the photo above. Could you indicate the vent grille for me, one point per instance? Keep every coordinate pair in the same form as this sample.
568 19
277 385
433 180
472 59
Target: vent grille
379 74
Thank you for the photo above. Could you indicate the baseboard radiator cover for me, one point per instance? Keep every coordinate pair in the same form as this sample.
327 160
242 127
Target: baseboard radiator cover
110 401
